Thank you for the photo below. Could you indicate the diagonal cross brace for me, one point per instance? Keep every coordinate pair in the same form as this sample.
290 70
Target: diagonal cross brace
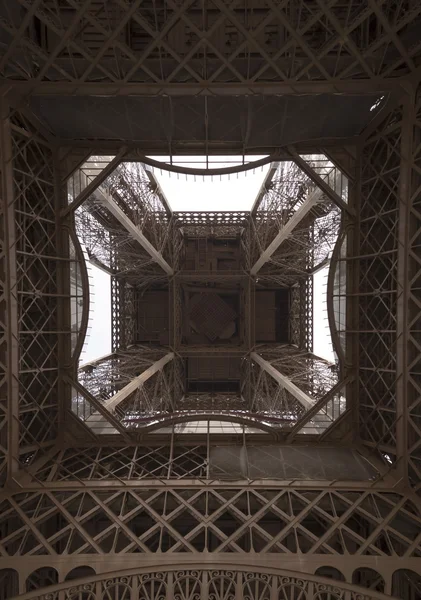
108 202
315 198
284 382
100 178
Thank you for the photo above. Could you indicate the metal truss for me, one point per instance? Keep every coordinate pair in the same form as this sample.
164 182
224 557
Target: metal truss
293 232
320 465
34 296
408 396
134 519
172 46
377 263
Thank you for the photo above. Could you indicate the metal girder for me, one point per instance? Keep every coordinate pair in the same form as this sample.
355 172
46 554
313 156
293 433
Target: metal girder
316 197
319 405
80 88
319 181
104 414
111 404
403 283
265 186
157 189
10 337
93 185
109 203
283 381
96 361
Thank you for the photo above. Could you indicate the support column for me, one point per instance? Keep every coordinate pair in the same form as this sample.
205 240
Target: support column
403 283
9 342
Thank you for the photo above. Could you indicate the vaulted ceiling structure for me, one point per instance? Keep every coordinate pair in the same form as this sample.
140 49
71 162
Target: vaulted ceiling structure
210 442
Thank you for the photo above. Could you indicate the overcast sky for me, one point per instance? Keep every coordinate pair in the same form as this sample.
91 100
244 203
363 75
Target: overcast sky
235 192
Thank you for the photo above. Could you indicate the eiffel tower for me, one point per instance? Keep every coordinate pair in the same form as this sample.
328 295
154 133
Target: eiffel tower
212 451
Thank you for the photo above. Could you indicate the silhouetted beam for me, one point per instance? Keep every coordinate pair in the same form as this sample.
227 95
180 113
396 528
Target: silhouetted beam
318 406
319 181
315 198
109 203
10 303
265 187
284 382
100 178
158 189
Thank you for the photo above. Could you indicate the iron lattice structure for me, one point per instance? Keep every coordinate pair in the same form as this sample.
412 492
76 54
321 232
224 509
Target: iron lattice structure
211 442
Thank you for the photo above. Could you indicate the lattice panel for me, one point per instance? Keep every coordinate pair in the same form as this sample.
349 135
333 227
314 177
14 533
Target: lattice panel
118 41
37 276
96 520
413 276
378 252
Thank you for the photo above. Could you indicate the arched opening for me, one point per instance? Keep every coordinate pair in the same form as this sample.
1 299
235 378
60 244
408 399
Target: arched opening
368 578
9 583
79 572
331 573
40 578
406 584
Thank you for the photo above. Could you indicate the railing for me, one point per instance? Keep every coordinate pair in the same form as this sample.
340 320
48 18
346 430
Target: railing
200 581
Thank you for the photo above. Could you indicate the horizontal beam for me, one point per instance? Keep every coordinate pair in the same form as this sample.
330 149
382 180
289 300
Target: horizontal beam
109 203
315 198
99 265
333 86
96 361
210 484
284 382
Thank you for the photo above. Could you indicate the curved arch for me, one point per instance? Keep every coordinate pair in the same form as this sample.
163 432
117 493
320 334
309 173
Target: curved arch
406 584
152 587
330 573
157 164
83 327
368 578
268 424
334 265
199 572
42 577
80 572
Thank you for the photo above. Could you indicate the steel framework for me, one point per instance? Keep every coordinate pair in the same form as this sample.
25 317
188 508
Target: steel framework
193 491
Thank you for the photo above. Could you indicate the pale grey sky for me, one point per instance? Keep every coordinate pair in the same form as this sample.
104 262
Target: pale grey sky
235 192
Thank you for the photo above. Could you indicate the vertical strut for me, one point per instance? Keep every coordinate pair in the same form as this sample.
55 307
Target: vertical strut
10 347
